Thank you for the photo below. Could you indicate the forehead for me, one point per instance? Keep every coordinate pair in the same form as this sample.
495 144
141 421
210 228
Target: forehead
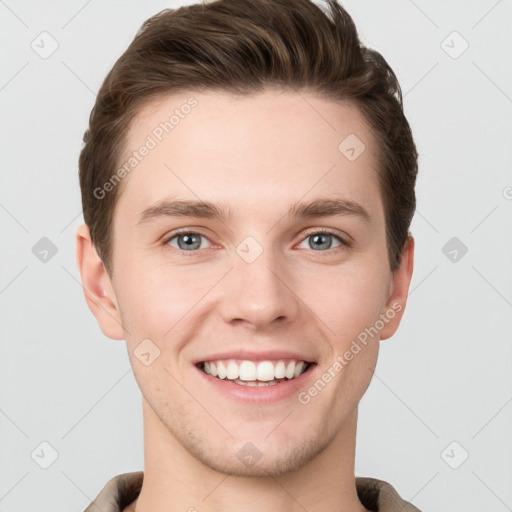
255 151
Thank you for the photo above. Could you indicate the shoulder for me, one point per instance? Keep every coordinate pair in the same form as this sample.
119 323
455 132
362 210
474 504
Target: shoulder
118 493
380 496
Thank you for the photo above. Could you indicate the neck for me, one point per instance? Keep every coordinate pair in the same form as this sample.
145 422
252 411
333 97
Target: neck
174 480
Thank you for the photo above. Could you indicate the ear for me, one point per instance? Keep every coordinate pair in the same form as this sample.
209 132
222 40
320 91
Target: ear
399 289
97 287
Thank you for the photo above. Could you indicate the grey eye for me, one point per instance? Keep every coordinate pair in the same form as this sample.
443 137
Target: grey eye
322 241
187 241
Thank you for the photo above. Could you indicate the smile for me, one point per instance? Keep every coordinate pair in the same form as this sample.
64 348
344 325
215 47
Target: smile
255 374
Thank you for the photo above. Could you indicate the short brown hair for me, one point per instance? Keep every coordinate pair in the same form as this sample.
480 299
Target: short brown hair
243 46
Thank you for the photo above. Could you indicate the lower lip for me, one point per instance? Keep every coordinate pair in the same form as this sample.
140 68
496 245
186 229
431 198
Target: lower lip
281 391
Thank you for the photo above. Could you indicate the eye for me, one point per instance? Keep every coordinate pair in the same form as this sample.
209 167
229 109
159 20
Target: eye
187 241
323 240
319 241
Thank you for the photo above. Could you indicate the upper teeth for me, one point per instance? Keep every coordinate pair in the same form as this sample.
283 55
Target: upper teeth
251 371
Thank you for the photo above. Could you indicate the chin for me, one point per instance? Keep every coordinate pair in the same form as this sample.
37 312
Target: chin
265 460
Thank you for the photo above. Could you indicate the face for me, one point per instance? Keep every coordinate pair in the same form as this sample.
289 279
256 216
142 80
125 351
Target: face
275 276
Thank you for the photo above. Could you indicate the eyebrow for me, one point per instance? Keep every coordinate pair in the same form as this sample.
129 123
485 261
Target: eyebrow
208 210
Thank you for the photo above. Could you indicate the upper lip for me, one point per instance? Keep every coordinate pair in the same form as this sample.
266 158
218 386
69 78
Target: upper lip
265 355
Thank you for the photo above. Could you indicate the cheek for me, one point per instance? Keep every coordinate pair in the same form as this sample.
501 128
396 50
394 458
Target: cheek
155 299
349 300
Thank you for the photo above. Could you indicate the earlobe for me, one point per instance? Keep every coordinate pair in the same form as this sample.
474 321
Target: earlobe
98 290
399 289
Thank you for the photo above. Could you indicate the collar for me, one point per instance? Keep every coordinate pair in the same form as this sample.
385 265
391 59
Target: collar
120 491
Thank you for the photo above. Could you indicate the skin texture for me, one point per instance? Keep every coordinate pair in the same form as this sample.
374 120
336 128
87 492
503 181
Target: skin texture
257 155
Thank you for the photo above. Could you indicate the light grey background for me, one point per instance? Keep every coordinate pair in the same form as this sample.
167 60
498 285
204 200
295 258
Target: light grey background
444 377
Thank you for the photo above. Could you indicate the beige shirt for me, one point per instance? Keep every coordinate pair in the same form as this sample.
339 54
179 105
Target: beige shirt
375 495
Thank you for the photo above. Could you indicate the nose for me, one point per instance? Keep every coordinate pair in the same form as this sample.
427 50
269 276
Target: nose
259 294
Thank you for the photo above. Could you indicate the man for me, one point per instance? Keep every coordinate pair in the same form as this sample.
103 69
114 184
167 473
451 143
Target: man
248 185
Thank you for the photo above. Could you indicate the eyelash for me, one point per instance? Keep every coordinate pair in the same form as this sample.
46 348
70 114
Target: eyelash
345 244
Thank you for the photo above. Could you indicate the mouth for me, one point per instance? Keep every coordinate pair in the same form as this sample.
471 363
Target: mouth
256 373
